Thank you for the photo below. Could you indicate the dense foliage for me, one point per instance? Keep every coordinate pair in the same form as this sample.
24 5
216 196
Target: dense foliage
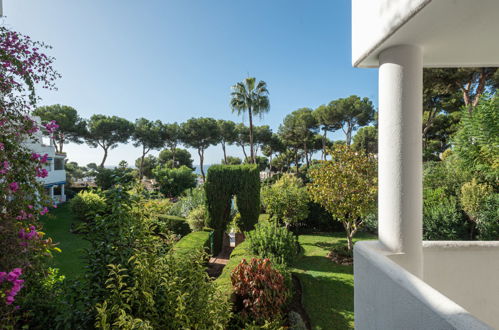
197 218
24 248
174 181
346 186
260 289
269 240
162 291
477 139
287 200
442 219
86 205
225 181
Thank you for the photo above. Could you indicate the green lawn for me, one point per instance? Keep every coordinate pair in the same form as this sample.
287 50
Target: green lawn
56 224
327 286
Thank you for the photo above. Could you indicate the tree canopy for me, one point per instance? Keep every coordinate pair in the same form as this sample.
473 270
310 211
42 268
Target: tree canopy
176 158
200 133
352 112
252 97
107 132
148 135
72 127
346 186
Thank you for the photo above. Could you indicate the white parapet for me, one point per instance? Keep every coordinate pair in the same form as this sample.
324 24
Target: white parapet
388 297
400 153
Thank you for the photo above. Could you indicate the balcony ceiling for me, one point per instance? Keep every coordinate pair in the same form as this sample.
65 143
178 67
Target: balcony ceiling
452 33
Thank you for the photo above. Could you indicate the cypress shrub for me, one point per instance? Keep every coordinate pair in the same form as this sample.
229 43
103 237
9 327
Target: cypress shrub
223 182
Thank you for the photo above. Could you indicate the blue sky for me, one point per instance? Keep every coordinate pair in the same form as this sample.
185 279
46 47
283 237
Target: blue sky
173 60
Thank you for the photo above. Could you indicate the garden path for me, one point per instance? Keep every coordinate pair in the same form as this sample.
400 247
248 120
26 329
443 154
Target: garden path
217 264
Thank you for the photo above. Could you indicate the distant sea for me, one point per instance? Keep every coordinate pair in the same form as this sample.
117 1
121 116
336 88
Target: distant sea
205 168
197 170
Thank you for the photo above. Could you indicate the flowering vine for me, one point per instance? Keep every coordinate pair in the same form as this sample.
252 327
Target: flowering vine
23 66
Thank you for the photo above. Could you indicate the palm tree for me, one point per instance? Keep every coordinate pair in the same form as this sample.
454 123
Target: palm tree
246 96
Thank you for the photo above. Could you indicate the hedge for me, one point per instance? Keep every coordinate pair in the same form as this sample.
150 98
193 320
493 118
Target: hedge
177 225
222 183
193 241
242 251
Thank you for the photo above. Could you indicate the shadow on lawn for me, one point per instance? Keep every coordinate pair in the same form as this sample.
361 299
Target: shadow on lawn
328 301
320 264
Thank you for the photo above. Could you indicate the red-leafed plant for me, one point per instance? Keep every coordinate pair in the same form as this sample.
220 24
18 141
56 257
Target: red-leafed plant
260 290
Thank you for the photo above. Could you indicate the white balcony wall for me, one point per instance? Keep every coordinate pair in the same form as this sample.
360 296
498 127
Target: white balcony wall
387 296
55 177
467 273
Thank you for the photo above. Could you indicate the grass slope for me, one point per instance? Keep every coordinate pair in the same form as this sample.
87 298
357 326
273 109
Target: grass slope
57 224
327 286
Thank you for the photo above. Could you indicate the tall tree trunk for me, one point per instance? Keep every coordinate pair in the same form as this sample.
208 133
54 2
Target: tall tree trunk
201 159
252 152
104 159
174 151
225 154
306 153
349 135
244 151
141 169
324 137
270 160
296 160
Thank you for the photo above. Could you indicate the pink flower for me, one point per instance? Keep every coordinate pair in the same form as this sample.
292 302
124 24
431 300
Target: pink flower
2 146
44 158
44 211
4 167
14 186
41 172
51 127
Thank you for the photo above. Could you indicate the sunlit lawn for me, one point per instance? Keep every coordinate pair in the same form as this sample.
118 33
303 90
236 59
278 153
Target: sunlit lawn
327 286
57 225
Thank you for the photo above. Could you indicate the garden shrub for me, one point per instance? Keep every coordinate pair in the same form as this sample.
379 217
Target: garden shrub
488 219
473 196
173 224
261 292
197 218
269 240
162 291
222 183
287 200
87 204
157 206
442 219
192 199
318 220
174 181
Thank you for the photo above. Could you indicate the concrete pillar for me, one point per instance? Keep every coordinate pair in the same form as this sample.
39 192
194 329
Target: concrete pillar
400 154
63 194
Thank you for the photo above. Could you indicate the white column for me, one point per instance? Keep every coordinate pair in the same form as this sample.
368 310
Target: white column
400 154
52 192
63 195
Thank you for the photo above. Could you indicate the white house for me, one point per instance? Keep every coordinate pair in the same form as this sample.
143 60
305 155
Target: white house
55 182
402 282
